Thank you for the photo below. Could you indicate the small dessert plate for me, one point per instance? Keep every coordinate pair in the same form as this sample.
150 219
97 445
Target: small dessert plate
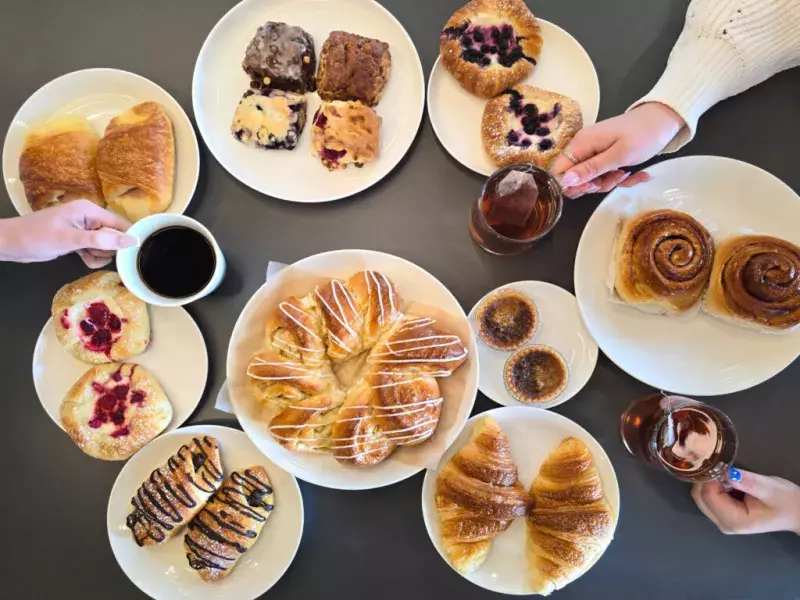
564 67
560 327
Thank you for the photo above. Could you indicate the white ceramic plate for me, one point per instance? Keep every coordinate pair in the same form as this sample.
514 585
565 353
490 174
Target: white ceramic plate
176 357
100 95
296 175
163 572
533 434
560 327
564 67
414 285
701 355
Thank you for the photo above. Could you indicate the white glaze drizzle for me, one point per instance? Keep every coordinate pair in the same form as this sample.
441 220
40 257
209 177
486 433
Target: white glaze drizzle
282 306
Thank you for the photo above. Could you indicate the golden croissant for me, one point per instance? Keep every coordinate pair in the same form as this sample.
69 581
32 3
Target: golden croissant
478 495
571 522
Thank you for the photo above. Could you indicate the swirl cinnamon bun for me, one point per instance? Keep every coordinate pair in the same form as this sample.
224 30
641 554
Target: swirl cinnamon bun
756 282
663 261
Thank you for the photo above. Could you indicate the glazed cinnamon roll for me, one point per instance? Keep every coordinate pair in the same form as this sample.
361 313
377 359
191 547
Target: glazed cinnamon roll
756 282
663 261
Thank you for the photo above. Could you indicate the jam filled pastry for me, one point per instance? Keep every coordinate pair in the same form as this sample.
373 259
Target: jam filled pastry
571 523
490 45
525 124
229 524
114 410
99 320
662 261
281 57
345 133
175 492
58 163
755 283
478 495
269 119
352 67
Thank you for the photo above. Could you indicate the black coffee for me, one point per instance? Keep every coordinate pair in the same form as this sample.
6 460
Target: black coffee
176 262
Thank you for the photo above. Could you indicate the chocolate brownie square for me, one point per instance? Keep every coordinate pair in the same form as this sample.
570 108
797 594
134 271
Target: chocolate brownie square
281 57
352 67
269 119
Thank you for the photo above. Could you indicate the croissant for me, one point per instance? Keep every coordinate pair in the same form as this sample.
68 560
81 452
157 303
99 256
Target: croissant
571 522
229 524
478 494
136 161
175 492
58 163
393 400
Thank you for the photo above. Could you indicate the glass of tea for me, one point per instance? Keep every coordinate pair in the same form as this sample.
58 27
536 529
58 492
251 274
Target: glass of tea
691 440
518 206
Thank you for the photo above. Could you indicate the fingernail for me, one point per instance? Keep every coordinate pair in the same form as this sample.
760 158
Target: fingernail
127 241
623 178
734 475
570 179
592 189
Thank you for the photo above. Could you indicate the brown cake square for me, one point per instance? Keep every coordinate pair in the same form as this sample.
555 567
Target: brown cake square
352 67
281 57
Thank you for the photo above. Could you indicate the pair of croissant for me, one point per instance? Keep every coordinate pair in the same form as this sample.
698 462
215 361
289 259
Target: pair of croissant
478 495
224 518
132 168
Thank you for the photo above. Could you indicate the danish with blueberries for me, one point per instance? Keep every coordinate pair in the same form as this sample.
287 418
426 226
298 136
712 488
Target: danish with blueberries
490 45
269 119
529 125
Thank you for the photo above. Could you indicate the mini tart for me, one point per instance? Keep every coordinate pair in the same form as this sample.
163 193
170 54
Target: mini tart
536 374
507 319
490 45
526 124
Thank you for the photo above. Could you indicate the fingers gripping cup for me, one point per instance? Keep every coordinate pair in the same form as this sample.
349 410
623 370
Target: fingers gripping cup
177 261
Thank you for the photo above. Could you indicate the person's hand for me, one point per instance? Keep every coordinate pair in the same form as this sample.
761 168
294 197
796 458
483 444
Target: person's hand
623 141
769 504
80 226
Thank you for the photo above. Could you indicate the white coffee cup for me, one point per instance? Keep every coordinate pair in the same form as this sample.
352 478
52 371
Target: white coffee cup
127 259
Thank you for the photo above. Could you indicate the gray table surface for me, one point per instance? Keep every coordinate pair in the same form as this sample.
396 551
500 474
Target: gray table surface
373 544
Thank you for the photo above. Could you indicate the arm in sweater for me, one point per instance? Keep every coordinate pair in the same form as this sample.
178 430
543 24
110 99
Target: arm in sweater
726 47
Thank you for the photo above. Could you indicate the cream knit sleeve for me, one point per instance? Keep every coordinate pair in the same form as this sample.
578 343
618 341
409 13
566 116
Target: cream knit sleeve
726 47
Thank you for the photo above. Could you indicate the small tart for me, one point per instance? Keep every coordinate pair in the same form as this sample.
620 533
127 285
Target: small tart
507 319
536 374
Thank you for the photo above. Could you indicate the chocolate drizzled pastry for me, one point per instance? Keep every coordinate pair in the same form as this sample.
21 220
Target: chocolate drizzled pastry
281 57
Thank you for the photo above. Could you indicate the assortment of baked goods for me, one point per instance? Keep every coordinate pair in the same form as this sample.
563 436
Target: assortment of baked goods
536 374
394 398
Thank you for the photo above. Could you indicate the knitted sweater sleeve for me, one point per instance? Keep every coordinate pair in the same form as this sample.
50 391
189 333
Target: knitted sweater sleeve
726 47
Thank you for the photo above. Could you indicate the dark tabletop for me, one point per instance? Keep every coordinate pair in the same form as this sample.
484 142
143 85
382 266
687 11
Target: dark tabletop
373 544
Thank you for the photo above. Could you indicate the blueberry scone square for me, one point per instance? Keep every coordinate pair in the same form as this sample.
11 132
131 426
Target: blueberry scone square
269 119
281 57
353 67
345 133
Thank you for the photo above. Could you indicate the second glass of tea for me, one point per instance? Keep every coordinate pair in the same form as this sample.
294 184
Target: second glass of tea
691 440
518 206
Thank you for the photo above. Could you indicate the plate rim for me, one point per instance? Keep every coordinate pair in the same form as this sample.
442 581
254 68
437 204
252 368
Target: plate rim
169 429
609 198
100 71
436 62
430 474
559 400
326 198
410 470
200 428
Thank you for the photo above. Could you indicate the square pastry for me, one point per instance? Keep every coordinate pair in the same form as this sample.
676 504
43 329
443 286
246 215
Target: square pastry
345 133
269 119
282 57
352 67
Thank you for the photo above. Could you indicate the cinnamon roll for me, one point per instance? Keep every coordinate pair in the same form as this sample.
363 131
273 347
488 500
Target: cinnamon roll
756 282
663 261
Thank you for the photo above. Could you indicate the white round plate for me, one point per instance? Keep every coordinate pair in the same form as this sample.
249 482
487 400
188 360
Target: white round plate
296 175
533 434
560 327
163 572
700 355
564 67
100 95
417 287
176 357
